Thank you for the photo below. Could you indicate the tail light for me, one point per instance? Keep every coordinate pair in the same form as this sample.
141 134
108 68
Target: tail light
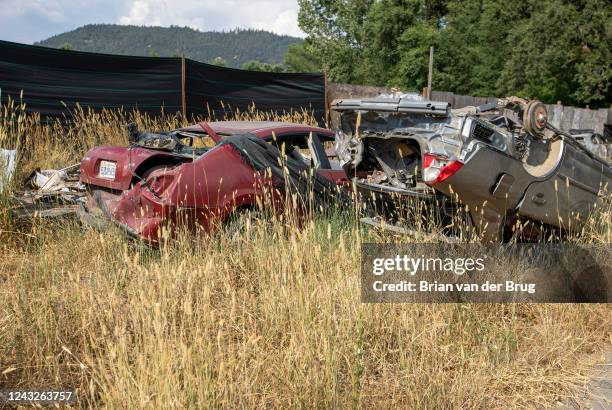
437 169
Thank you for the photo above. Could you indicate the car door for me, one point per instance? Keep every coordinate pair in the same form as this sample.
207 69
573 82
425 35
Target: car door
314 151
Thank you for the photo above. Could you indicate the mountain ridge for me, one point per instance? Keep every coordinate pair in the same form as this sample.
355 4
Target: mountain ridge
235 47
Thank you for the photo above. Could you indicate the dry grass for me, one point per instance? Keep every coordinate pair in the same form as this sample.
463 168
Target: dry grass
272 319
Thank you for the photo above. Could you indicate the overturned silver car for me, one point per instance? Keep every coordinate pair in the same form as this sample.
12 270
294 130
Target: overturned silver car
503 164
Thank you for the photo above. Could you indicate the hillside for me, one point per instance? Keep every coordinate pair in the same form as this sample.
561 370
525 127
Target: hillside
235 47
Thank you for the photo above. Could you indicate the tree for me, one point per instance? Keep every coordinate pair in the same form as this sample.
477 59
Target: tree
553 50
411 70
335 28
300 58
219 61
255 65
474 44
396 41
593 69
562 52
358 41
67 46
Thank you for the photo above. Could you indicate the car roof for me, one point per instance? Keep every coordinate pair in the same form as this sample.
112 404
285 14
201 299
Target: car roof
260 128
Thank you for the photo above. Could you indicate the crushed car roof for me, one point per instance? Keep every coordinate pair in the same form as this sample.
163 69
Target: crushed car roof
259 128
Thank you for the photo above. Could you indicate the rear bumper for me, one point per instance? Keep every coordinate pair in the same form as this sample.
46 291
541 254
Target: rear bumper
136 217
95 220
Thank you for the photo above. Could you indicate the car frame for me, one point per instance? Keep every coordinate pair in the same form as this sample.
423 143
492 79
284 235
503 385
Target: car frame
503 162
159 182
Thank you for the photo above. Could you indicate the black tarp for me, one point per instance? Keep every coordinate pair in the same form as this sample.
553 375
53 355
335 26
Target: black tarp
51 78
279 92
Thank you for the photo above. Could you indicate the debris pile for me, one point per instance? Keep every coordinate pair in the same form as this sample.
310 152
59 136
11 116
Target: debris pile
49 193
7 166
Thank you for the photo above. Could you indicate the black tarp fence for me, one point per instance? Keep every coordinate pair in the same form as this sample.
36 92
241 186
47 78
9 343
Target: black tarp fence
205 83
53 81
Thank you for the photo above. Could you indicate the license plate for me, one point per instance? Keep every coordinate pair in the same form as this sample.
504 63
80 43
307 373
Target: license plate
107 169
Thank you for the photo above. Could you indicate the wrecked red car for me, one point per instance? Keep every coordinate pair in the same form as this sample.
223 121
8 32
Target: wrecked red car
201 175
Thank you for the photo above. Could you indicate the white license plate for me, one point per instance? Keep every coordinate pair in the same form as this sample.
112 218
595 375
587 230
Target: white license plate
107 169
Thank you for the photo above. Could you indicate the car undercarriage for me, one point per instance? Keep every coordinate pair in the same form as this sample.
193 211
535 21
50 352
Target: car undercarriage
500 163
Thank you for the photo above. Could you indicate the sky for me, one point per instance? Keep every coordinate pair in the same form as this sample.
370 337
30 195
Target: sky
27 21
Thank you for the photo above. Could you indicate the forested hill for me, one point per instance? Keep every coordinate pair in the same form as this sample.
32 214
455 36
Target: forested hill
234 47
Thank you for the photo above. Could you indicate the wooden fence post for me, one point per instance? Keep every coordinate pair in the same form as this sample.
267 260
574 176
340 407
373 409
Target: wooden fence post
183 98
430 72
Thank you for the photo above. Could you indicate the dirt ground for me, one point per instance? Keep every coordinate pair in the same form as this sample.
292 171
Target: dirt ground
598 391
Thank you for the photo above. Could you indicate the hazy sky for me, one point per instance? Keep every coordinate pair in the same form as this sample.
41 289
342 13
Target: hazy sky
26 21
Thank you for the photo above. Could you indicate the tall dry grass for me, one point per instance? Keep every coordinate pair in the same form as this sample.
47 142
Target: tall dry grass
272 318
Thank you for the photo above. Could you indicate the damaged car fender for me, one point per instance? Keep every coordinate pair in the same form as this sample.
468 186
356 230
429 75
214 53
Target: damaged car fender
125 172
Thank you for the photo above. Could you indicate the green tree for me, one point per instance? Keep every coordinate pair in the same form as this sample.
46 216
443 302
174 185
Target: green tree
396 41
554 50
562 52
411 70
335 30
219 61
474 43
255 65
359 41
594 66
67 46
300 57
